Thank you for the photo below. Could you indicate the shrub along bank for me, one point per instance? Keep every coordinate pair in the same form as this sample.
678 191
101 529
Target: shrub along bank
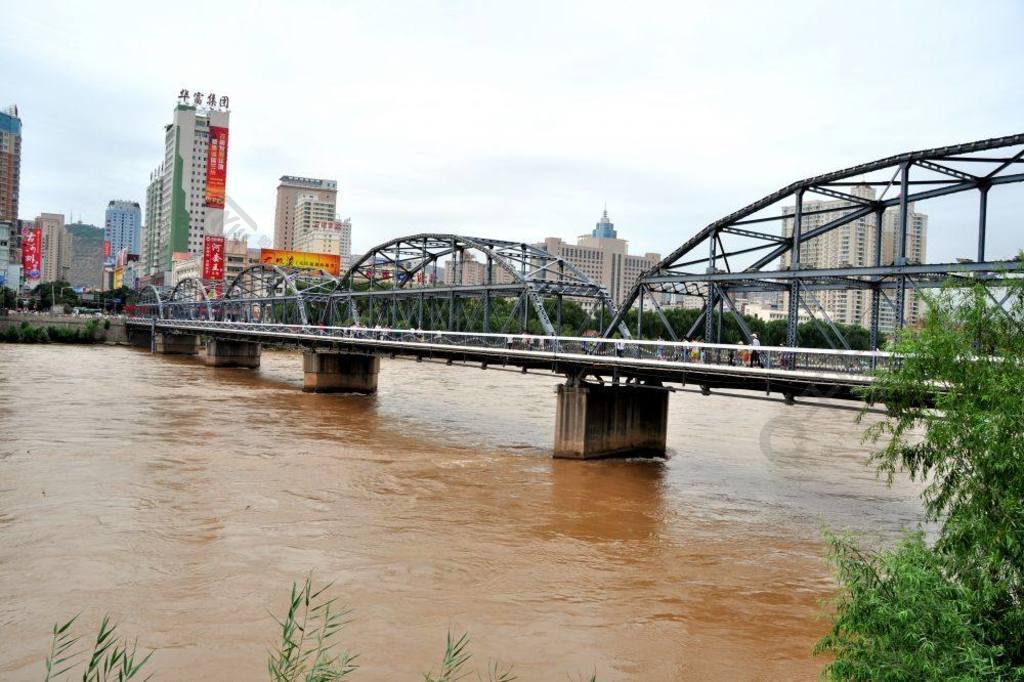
91 332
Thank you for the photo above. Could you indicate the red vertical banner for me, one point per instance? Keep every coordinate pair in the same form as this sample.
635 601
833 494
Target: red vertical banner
213 257
32 253
217 167
106 248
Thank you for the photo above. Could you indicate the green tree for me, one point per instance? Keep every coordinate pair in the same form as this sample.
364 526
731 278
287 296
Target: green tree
50 293
955 420
8 298
118 298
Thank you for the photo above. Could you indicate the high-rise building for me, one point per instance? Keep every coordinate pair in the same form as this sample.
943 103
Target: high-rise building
854 245
123 226
604 259
150 241
10 164
289 190
310 210
328 236
186 195
56 247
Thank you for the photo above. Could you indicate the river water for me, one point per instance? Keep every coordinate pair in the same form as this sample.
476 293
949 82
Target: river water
185 500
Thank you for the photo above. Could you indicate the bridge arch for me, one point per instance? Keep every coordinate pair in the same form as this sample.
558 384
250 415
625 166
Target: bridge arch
478 267
151 300
269 293
185 294
755 250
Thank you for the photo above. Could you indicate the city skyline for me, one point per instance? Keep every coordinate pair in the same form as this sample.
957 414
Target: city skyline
463 138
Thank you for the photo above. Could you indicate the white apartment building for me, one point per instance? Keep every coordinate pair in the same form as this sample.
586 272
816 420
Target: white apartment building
309 210
328 236
853 245
185 266
289 190
769 313
149 241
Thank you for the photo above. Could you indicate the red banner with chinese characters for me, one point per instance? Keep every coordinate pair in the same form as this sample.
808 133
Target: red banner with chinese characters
213 257
106 249
217 167
32 253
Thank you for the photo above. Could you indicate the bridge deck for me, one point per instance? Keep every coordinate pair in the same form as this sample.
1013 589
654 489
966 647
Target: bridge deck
800 371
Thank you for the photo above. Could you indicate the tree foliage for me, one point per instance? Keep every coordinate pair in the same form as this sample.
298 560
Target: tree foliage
58 293
955 420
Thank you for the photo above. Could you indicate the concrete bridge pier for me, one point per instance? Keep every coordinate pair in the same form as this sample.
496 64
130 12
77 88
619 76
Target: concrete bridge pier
139 338
332 372
224 353
177 344
618 420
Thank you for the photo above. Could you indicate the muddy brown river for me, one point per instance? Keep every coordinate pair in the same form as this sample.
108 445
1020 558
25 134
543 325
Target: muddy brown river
184 501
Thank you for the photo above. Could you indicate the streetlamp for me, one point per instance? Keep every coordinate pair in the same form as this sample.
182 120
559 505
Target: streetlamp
53 298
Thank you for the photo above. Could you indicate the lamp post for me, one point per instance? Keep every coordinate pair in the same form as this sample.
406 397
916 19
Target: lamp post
53 298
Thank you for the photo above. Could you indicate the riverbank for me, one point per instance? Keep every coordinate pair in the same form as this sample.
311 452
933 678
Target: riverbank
18 327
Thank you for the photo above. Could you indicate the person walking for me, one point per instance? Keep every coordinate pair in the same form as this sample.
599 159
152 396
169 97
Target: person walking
755 357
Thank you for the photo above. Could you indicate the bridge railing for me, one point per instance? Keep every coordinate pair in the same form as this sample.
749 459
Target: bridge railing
695 353
742 358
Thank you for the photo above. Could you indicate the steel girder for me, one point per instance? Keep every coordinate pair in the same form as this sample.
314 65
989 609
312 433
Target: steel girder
742 247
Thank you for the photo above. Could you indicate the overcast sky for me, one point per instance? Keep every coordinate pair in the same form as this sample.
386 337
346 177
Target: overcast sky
515 119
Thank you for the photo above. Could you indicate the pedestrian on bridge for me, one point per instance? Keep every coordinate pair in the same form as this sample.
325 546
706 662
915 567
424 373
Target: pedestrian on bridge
755 357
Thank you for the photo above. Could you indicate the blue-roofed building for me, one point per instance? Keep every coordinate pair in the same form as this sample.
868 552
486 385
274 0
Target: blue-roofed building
605 229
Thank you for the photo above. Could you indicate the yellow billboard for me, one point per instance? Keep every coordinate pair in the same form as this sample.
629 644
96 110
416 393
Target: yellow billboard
118 277
304 260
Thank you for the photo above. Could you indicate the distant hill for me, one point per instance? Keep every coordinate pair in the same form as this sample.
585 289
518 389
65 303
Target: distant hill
86 255
88 233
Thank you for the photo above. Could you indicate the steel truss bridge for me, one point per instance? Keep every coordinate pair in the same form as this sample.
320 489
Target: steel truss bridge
396 284
754 250
393 302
